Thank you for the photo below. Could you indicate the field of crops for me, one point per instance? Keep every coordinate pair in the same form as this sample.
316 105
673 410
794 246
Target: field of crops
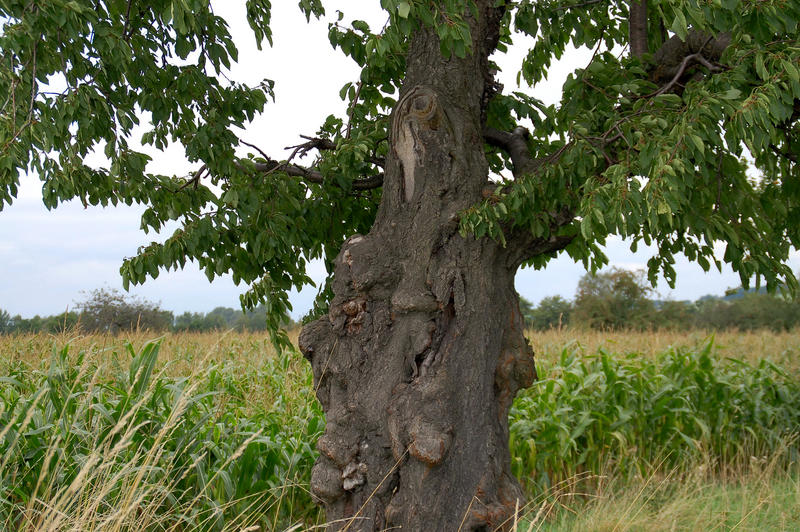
634 431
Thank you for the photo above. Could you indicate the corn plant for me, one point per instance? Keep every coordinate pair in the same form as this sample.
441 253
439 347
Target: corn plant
623 415
143 451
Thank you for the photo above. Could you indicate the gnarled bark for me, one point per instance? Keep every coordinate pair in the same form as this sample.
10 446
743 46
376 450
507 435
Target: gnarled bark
423 350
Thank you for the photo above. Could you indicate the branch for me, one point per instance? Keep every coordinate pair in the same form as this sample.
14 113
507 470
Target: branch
312 175
195 178
515 143
698 57
674 56
784 153
320 144
637 23
523 246
127 21
353 109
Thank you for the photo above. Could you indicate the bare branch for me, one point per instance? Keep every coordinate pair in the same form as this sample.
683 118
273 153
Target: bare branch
320 144
695 57
125 27
314 143
259 150
195 178
675 55
312 175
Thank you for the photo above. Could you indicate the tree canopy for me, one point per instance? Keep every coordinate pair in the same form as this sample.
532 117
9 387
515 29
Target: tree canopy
690 141
423 197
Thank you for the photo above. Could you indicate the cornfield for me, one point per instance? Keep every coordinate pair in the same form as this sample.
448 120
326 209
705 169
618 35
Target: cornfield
198 432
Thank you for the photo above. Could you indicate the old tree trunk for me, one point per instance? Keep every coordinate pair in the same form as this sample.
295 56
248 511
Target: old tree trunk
423 350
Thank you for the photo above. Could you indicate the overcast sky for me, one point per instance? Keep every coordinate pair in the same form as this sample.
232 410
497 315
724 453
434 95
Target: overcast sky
48 258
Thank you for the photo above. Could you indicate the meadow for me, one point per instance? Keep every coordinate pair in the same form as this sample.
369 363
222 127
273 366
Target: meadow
624 431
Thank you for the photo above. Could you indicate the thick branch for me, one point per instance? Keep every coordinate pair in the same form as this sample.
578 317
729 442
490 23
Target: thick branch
637 25
675 55
515 143
523 246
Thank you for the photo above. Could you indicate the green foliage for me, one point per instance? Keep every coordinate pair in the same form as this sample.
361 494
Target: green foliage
752 311
108 310
636 415
551 312
188 453
620 155
654 166
613 299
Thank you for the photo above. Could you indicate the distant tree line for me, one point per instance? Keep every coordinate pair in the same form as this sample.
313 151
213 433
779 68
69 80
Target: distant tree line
612 300
623 299
110 311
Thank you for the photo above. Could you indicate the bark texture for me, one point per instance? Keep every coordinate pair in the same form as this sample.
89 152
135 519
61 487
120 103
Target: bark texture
637 26
423 350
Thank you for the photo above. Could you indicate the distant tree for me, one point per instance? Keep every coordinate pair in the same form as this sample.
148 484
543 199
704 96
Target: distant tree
256 320
615 299
552 312
59 323
29 325
190 321
748 312
108 310
6 322
224 317
673 315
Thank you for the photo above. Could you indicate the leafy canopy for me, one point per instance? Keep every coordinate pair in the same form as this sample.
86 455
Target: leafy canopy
687 166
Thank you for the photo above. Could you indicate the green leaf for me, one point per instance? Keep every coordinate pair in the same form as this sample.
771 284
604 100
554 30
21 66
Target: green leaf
679 25
403 9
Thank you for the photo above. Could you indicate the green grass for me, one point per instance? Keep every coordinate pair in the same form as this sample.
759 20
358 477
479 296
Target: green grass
191 434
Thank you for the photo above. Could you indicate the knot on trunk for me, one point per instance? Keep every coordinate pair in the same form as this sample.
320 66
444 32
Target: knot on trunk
418 113
354 475
429 443
355 311
495 501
